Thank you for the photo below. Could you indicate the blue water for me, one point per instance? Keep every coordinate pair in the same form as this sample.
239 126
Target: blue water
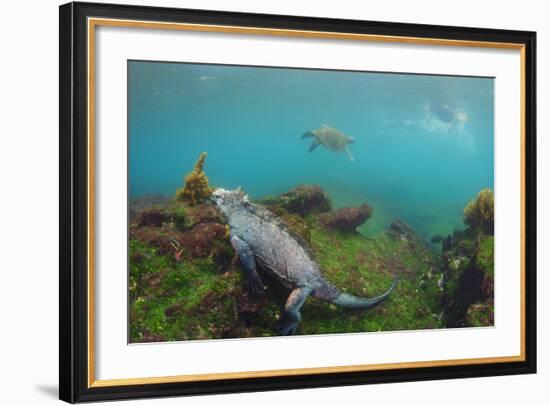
409 164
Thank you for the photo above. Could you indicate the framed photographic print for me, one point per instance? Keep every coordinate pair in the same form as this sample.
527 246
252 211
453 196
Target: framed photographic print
256 202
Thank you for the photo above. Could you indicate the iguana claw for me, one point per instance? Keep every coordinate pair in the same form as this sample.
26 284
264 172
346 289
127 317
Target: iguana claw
255 287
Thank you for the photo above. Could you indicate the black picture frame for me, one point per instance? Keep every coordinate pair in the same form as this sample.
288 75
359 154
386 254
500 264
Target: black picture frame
74 385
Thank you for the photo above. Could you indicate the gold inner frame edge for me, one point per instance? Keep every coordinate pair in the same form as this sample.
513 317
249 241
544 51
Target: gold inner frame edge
92 23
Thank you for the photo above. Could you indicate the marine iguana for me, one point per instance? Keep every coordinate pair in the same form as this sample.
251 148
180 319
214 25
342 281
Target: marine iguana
260 238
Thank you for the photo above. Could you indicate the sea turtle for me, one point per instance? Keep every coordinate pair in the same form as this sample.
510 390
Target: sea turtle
331 138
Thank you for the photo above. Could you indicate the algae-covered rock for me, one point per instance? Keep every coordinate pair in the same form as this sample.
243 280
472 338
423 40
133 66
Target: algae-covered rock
302 200
463 287
196 189
152 217
137 204
184 217
468 267
346 219
160 238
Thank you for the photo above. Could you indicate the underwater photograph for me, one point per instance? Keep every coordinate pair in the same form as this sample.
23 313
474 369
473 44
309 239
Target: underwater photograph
268 201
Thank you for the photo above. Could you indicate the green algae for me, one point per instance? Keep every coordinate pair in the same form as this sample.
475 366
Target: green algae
485 258
365 266
192 299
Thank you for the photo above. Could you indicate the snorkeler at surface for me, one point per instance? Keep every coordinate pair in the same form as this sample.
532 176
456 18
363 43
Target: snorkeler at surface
446 114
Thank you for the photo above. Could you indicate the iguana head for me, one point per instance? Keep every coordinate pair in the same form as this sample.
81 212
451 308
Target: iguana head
228 200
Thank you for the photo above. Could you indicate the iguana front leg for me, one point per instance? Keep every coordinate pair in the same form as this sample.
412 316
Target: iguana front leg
253 281
292 315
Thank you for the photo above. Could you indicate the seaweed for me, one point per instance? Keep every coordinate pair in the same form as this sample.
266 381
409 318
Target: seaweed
196 189
479 214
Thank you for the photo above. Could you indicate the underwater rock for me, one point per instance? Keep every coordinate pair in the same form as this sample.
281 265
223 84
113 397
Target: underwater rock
160 238
447 243
135 205
177 216
184 232
302 200
152 217
479 214
196 189
202 239
462 289
469 266
469 279
184 217
203 214
400 230
346 219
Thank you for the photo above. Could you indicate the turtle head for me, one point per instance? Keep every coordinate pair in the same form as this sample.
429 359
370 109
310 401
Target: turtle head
228 200
350 140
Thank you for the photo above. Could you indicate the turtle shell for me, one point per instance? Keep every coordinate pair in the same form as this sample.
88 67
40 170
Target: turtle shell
331 138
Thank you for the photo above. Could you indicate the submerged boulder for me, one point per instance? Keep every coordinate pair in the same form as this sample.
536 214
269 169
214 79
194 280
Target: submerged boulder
152 217
184 232
468 299
202 214
302 200
468 267
161 238
136 205
346 219
205 239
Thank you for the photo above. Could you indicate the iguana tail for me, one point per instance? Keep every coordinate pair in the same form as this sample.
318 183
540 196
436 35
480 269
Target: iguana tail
354 302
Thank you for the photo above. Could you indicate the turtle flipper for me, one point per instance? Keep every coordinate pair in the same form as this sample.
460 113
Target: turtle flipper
314 145
349 155
307 134
452 125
